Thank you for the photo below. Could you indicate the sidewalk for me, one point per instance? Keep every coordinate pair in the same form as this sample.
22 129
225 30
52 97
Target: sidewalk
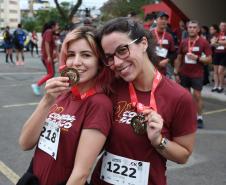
206 93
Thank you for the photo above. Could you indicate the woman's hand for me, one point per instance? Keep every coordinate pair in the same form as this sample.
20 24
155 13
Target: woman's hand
55 86
154 126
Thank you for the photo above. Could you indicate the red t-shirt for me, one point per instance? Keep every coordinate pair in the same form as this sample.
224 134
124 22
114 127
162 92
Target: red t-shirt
72 115
201 46
174 104
164 42
221 37
48 37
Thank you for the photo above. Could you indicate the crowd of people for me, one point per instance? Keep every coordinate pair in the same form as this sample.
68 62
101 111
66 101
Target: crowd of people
124 105
188 52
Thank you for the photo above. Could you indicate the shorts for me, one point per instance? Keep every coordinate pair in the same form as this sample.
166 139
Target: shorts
195 83
219 59
19 46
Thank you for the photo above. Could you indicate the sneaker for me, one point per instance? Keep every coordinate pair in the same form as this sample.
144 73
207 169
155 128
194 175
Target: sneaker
200 123
220 89
214 89
36 89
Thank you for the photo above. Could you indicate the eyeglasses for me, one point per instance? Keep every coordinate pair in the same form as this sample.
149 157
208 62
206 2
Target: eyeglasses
121 52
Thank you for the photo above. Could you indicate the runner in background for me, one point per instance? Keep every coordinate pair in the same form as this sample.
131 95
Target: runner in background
19 39
165 49
194 52
48 48
219 60
34 43
8 44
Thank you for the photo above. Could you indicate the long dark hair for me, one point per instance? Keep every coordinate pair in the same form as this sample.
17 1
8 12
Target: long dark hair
134 30
48 25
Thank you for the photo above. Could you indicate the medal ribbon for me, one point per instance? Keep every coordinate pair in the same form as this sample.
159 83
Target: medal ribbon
133 96
221 36
84 95
190 47
158 39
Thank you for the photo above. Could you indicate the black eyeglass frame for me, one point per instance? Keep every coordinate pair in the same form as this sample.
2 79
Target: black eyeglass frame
106 58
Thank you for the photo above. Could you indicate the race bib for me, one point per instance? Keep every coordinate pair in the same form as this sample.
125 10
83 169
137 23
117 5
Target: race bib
220 48
195 49
165 41
189 61
49 138
124 171
162 52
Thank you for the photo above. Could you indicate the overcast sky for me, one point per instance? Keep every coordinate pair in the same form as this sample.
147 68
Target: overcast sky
85 3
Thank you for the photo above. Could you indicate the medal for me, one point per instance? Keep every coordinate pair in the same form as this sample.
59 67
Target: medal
139 124
72 74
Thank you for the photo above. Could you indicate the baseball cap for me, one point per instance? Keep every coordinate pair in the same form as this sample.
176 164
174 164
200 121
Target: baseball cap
162 14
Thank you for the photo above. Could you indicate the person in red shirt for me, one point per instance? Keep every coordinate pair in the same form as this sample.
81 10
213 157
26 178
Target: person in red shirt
165 49
219 59
151 122
193 53
47 50
71 123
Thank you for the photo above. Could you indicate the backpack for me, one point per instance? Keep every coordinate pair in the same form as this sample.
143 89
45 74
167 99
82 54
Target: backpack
19 37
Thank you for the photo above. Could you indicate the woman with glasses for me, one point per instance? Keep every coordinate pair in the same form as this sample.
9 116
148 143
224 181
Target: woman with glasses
154 118
72 121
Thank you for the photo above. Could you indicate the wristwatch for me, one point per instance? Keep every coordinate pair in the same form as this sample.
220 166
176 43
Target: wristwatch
162 144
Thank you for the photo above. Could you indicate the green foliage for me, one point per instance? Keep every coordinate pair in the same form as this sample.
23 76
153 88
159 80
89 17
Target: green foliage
42 16
117 8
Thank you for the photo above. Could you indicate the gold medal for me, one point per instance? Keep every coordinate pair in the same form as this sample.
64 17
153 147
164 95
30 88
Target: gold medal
139 124
72 74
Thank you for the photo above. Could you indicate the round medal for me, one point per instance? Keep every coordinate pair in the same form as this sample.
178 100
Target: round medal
72 74
139 124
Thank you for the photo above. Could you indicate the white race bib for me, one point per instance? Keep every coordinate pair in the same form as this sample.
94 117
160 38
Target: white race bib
49 138
220 48
124 171
162 52
195 49
189 61
164 41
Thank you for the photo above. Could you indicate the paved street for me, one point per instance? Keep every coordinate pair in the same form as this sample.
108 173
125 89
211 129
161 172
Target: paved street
207 165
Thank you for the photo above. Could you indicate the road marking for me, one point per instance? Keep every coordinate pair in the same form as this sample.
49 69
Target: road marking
22 73
10 174
214 111
20 105
13 85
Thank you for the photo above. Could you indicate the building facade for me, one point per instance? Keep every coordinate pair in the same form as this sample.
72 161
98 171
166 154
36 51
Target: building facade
9 13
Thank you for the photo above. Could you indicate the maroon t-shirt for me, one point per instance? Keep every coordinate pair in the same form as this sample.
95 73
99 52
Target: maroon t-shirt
48 37
221 37
166 42
174 104
201 46
72 115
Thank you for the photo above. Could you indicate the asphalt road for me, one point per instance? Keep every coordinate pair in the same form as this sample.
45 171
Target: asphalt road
207 165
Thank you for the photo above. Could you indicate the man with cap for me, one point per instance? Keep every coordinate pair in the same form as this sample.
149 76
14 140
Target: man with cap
165 49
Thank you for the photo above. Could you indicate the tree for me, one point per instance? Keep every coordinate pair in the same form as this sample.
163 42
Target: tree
118 8
68 17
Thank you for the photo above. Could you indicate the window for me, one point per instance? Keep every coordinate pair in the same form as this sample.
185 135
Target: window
13 20
12 2
13 11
